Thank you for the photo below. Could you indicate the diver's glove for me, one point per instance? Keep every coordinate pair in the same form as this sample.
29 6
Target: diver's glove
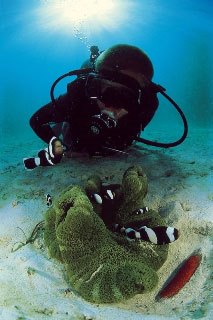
46 157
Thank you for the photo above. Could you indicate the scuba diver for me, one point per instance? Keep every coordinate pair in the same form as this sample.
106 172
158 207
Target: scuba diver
104 109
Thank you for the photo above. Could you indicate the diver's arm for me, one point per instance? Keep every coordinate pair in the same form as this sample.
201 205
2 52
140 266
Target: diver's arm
41 119
40 123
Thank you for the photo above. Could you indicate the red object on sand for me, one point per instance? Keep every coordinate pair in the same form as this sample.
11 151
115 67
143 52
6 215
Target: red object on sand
182 276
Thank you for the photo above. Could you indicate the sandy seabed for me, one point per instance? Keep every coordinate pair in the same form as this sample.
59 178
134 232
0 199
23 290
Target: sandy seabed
33 286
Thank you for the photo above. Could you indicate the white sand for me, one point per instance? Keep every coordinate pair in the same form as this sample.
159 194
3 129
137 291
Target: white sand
32 285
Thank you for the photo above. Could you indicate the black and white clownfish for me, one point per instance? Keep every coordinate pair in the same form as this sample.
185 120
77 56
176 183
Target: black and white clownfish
106 195
140 211
156 235
48 200
106 199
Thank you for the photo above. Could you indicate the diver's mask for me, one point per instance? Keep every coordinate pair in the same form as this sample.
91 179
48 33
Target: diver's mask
110 94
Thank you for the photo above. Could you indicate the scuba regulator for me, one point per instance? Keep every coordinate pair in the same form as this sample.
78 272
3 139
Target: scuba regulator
100 124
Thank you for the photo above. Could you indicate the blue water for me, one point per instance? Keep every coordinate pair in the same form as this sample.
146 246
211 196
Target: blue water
37 46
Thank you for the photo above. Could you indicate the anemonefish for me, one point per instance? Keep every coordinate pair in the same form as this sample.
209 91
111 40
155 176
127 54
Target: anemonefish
48 200
156 235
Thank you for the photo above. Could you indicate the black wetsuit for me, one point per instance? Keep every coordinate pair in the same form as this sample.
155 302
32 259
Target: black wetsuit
76 108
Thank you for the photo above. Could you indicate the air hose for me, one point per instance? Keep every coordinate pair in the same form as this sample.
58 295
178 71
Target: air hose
68 74
162 90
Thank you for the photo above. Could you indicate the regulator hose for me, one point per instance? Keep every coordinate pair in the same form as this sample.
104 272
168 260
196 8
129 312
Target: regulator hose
68 74
162 90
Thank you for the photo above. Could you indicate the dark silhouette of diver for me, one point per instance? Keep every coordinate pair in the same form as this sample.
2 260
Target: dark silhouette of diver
105 108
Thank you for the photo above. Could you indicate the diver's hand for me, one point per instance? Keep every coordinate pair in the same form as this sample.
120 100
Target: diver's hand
55 148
